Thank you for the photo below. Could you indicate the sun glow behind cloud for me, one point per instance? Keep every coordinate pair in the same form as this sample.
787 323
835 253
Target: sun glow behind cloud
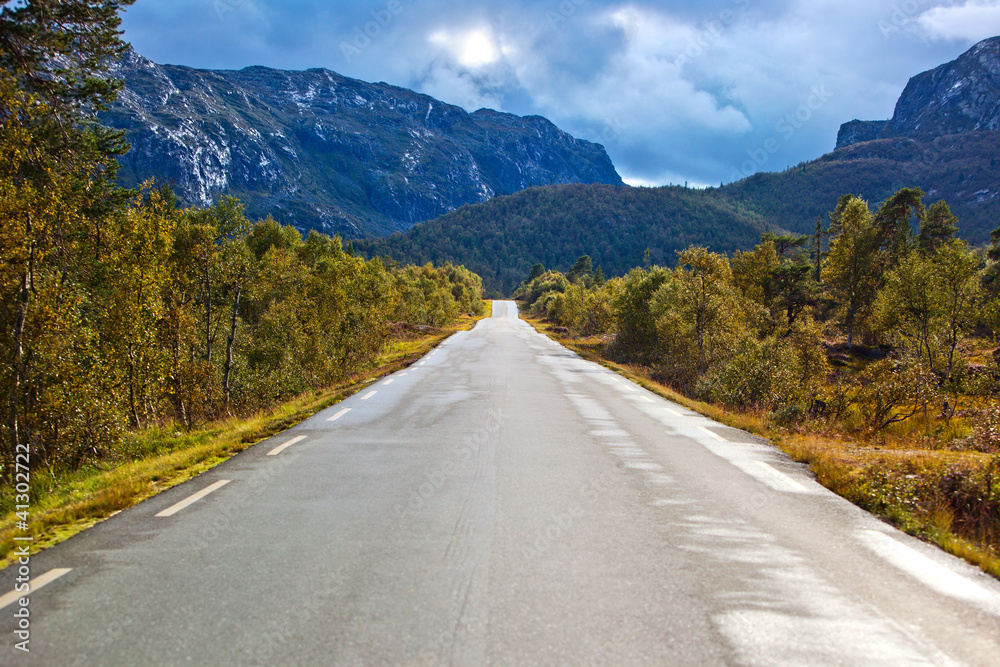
472 49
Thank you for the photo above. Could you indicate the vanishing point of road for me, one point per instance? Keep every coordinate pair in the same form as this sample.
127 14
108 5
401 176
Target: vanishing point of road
503 502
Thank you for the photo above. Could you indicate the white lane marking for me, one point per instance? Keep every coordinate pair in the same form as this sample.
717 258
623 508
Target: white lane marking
34 585
339 415
626 386
673 412
277 450
402 375
931 573
368 395
712 434
190 500
646 398
388 382
781 481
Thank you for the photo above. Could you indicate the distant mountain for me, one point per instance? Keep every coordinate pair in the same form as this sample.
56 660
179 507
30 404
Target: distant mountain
943 138
322 151
960 96
502 238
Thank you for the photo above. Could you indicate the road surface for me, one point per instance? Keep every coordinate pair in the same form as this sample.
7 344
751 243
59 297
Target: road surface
503 502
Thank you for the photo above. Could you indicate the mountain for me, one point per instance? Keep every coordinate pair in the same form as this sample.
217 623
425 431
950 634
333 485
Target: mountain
943 138
322 151
502 238
957 97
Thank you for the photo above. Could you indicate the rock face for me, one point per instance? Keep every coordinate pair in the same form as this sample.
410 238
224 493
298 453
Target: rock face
322 151
960 96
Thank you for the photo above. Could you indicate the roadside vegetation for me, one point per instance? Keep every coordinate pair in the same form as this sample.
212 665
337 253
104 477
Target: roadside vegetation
868 350
136 336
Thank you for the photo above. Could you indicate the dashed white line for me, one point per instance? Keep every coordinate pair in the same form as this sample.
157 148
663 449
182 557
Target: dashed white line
368 395
281 448
388 382
646 398
190 500
673 412
712 434
34 585
339 415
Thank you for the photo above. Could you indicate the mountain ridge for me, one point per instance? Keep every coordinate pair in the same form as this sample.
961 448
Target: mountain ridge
322 151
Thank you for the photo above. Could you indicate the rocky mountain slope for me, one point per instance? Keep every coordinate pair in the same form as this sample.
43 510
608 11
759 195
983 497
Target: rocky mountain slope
322 151
960 96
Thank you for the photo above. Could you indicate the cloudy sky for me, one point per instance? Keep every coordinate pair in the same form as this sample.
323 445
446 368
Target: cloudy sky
701 92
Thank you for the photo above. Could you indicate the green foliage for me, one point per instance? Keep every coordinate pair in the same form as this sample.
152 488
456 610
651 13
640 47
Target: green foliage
938 226
853 269
554 225
637 338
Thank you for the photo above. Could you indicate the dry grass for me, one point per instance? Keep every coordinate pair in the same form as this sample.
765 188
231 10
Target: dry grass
909 476
64 505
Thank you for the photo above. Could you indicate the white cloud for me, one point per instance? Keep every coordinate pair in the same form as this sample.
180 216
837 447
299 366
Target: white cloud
471 49
975 20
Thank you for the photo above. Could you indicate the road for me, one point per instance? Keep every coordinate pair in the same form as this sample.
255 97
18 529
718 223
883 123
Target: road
504 502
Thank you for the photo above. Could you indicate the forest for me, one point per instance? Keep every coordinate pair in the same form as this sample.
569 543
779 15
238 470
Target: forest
879 330
502 238
121 310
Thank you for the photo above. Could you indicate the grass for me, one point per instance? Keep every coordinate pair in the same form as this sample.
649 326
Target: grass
165 456
908 476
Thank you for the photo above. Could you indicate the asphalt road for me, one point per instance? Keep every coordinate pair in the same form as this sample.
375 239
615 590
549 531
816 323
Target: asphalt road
503 502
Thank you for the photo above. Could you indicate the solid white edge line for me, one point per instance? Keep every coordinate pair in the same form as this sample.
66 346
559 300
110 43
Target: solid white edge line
368 395
34 585
712 434
339 415
190 500
277 450
781 478
931 573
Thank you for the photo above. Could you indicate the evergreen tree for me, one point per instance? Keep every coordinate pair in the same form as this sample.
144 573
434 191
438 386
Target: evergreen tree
938 227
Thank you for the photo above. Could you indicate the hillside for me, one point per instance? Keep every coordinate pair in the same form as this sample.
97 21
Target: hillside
321 151
502 238
959 168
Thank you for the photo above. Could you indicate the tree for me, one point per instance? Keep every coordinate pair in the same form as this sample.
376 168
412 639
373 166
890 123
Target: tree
582 271
893 223
636 336
705 296
938 227
853 268
817 249
957 270
57 186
